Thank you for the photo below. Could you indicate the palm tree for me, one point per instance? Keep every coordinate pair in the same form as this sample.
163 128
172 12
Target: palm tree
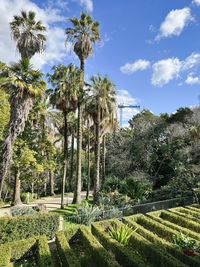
84 33
66 81
101 107
23 84
27 32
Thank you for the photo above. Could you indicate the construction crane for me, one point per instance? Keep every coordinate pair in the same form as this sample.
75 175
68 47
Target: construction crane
121 106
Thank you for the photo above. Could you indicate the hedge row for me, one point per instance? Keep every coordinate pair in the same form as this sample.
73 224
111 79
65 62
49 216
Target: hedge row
192 208
180 221
184 215
163 244
124 255
13 251
43 253
23 227
193 213
173 226
98 252
67 255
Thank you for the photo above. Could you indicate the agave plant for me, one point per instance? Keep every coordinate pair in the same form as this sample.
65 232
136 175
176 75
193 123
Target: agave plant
121 233
87 213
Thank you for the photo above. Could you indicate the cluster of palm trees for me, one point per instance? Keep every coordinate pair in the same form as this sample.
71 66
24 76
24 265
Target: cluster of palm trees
94 101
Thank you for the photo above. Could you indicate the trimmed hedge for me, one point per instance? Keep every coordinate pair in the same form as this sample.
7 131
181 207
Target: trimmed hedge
23 227
5 255
43 253
66 253
193 213
180 221
163 244
98 252
184 215
123 254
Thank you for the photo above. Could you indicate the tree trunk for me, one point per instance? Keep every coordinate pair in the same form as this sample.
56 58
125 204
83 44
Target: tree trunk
51 174
72 162
65 161
77 189
20 108
88 177
16 195
104 160
97 159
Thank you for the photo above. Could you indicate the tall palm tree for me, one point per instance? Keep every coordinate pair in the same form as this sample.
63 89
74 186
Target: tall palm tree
23 84
27 32
84 33
66 81
101 107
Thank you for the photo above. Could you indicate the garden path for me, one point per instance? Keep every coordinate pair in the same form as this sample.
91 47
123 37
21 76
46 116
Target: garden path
51 203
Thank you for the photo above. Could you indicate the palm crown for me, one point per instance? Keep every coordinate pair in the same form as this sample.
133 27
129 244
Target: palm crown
84 32
27 32
22 80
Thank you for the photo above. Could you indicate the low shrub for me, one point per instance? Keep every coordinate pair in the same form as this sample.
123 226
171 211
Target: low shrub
44 255
23 227
121 233
99 254
67 255
5 255
87 213
20 210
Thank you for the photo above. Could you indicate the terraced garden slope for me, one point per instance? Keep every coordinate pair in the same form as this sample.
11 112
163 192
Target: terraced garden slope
150 245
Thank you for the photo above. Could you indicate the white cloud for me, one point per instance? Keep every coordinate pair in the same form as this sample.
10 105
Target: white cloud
55 49
191 61
197 2
175 22
165 70
124 97
87 4
139 64
192 80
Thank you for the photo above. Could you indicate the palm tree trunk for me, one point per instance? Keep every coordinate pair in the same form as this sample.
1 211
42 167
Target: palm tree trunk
97 159
88 177
65 162
16 195
77 191
72 162
51 175
104 160
20 108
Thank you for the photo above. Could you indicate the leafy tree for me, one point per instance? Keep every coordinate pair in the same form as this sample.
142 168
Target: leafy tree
23 84
84 32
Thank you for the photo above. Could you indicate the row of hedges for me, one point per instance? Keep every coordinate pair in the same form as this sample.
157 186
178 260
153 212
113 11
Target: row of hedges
163 244
191 214
184 222
13 251
155 216
124 255
23 227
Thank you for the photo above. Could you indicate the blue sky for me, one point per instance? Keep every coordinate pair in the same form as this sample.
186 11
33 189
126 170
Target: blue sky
150 49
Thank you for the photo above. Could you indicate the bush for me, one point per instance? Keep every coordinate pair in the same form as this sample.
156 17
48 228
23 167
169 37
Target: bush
112 183
5 255
19 210
23 227
24 199
121 234
134 189
44 255
87 213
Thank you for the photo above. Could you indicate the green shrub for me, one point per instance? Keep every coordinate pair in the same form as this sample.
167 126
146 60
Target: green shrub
23 227
121 233
19 210
67 255
180 221
112 183
87 213
123 254
44 255
99 254
163 244
5 255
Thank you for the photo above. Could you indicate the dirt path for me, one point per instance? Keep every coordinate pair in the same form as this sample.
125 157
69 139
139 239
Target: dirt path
51 203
